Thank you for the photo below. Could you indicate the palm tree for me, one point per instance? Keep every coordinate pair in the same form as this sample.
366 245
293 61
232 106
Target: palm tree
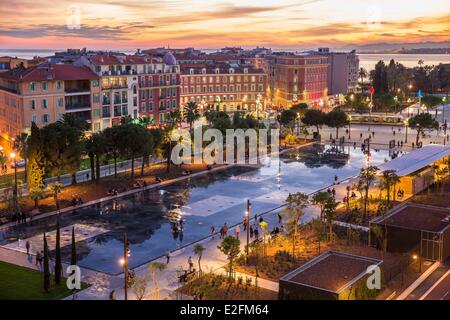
21 145
191 113
366 178
330 212
390 179
198 250
154 269
362 73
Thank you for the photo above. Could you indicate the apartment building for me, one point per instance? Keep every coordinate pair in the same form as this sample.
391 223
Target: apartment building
343 70
135 86
224 87
295 78
43 94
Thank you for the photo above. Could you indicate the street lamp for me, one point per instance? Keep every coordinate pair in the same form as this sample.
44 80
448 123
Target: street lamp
406 131
247 221
12 155
124 262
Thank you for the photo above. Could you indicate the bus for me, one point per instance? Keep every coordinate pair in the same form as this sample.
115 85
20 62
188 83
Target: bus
377 118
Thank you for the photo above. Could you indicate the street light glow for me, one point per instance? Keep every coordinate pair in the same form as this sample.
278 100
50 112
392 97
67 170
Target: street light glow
12 155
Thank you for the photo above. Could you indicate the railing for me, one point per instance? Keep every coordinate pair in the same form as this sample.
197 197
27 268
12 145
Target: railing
78 106
77 90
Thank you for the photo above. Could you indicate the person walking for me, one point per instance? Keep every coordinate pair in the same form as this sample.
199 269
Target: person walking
27 245
213 231
237 231
191 264
225 230
167 257
280 218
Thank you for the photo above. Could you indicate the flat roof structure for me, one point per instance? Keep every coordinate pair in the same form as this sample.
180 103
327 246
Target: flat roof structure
331 271
416 159
415 216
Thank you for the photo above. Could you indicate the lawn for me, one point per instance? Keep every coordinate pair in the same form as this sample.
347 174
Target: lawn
19 283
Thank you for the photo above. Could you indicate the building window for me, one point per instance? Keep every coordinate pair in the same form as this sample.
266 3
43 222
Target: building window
32 86
96 98
45 118
59 85
33 104
61 102
45 85
44 103
34 119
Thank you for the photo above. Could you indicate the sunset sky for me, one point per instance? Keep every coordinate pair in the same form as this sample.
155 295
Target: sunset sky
106 24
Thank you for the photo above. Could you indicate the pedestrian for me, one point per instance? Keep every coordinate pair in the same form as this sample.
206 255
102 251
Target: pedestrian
373 134
237 231
87 176
213 231
27 245
222 233
280 218
333 191
244 223
38 258
191 264
112 295
256 232
335 179
167 257
251 232
360 136
225 229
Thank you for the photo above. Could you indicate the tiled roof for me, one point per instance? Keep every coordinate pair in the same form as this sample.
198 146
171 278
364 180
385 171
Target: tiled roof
49 71
117 59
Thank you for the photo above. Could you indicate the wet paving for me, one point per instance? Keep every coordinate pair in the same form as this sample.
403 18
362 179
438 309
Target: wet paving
152 218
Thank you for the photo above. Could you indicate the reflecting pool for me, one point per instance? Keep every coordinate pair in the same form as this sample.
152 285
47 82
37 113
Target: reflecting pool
152 218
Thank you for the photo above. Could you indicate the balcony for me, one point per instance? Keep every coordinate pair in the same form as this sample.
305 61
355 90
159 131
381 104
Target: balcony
78 107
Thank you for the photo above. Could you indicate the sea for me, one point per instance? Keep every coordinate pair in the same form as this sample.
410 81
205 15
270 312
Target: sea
366 61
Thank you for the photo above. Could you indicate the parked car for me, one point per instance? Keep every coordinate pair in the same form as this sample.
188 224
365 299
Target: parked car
20 164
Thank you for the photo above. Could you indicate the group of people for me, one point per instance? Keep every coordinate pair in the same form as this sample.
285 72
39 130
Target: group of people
76 200
20 217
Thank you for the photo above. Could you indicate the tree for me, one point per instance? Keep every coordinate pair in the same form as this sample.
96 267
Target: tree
366 178
139 286
46 266
21 145
296 203
431 102
362 73
421 122
320 199
336 119
112 143
58 265
191 113
230 246
379 233
287 118
390 178
36 164
255 248
155 268
330 212
198 250
313 117
379 77
55 190
147 148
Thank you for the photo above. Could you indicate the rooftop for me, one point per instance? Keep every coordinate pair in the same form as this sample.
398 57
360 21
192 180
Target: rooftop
416 216
49 72
416 159
331 271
